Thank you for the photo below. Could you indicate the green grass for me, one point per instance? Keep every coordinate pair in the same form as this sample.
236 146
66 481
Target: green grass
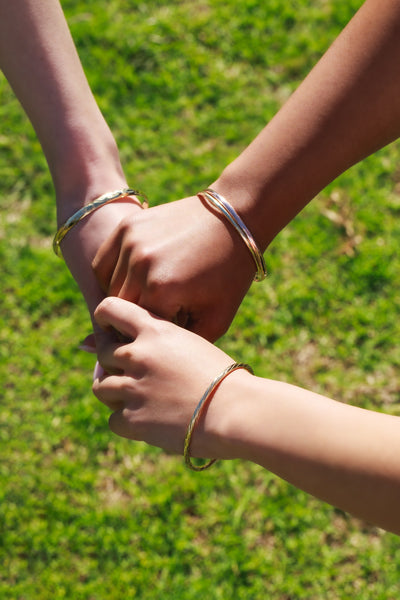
88 516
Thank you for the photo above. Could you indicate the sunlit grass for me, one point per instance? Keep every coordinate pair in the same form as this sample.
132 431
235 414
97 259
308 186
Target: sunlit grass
84 515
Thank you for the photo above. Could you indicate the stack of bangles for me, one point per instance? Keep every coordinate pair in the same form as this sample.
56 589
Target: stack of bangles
221 205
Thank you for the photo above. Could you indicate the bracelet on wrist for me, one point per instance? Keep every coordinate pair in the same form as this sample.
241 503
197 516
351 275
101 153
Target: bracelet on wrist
139 198
222 205
205 400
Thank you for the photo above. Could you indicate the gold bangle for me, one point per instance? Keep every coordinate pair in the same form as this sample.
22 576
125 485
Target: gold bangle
199 410
89 208
223 206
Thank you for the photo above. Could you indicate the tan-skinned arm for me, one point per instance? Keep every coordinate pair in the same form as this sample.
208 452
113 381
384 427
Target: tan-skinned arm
344 110
344 455
39 59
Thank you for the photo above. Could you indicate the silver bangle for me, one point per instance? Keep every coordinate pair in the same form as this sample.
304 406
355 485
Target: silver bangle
89 208
223 206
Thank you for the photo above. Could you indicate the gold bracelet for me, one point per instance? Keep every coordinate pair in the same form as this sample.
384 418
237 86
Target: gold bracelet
89 208
223 206
199 410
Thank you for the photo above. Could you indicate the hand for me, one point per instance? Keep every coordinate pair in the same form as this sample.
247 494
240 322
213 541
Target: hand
182 262
80 245
155 382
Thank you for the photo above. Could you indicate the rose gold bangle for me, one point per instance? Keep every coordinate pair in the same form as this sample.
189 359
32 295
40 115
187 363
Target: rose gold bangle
206 398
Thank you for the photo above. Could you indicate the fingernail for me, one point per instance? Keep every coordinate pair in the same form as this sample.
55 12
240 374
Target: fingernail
87 348
98 371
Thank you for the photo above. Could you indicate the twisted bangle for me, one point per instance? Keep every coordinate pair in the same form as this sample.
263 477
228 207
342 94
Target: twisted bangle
89 208
199 410
223 206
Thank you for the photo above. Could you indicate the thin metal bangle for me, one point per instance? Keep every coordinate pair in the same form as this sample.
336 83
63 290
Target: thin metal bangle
223 206
89 208
199 410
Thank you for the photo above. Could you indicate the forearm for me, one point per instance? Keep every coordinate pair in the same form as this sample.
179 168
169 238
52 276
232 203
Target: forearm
344 455
341 454
345 109
39 59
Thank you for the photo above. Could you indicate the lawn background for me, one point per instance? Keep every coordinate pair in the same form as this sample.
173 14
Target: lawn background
84 515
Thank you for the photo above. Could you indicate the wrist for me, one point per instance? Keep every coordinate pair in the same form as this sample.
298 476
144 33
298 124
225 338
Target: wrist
82 242
86 165
225 420
247 200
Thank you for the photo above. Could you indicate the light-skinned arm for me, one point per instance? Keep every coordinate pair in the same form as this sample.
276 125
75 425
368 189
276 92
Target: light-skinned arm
40 61
346 456
183 260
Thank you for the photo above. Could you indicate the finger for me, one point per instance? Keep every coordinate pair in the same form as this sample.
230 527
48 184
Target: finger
208 325
130 289
182 318
88 344
104 337
114 390
123 316
164 305
106 257
118 359
120 273
121 425
108 361
98 371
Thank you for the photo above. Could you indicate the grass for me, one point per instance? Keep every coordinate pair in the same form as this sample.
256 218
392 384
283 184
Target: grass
87 516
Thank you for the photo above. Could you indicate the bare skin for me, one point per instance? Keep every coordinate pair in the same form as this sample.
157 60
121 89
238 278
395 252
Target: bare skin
344 455
46 74
344 110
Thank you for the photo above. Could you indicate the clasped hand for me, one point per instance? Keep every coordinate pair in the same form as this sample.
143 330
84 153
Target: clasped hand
153 383
181 262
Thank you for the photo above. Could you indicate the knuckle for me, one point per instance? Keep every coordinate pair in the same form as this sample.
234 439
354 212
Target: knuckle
125 354
95 264
125 227
136 425
129 244
143 256
96 388
106 304
155 287
158 284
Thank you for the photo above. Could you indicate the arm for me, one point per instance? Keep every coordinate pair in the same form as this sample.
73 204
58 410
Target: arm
341 454
40 61
344 110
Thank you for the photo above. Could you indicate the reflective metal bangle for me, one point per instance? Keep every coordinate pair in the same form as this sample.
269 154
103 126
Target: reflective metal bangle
89 208
223 206
199 410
